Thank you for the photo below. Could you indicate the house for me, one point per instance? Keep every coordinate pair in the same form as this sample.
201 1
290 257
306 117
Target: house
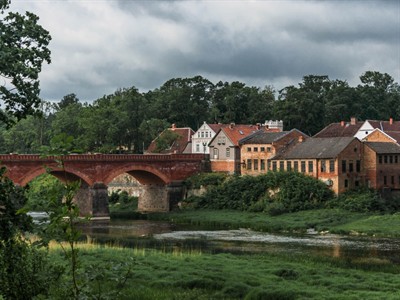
361 129
337 161
203 136
382 165
258 148
225 150
341 129
172 140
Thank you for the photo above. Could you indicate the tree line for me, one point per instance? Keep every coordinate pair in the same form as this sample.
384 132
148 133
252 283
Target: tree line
127 120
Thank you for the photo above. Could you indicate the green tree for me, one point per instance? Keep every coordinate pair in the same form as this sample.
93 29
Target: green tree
67 100
379 95
23 50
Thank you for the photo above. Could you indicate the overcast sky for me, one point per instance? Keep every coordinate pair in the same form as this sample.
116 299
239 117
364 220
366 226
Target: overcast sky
99 46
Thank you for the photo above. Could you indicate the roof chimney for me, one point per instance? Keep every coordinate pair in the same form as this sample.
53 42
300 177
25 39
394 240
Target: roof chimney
353 120
300 138
391 121
258 125
342 123
173 126
231 125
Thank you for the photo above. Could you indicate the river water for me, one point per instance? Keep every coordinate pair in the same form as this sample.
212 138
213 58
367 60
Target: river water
134 233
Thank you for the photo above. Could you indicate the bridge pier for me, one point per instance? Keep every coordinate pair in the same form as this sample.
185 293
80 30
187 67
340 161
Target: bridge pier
93 201
160 198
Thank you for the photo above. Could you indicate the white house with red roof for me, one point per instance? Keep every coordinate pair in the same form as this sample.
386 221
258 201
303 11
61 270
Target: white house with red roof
203 136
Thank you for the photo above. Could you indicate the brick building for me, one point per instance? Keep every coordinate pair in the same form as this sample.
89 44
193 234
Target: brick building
258 148
382 165
336 161
224 147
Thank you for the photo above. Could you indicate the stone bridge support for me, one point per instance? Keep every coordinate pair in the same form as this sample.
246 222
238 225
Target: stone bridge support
93 201
160 198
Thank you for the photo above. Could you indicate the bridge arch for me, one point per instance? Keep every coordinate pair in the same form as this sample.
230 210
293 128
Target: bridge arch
142 173
64 175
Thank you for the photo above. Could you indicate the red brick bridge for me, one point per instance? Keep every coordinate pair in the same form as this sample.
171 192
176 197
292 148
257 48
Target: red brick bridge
160 175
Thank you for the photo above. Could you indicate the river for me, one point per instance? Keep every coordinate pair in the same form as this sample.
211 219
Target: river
165 235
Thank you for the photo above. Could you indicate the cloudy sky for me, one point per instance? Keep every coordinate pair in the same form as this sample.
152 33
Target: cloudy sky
99 46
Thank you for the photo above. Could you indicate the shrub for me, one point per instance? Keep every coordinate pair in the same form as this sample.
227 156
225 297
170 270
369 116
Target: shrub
364 200
273 192
204 179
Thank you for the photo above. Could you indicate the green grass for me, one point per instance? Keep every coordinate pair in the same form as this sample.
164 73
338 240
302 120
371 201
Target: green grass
196 275
332 220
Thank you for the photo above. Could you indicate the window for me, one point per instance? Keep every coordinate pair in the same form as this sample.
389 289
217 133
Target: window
215 153
197 147
228 152
391 159
380 159
262 164
255 149
351 166
296 166
358 165
343 166
206 134
323 166
310 167
249 164
392 180
282 165
384 180
346 183
357 183
303 166
274 166
256 164
396 159
288 166
202 134
331 166
268 165
262 149
248 149
268 149
385 159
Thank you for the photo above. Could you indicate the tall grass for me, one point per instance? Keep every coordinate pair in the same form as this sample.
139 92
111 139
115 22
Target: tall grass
184 274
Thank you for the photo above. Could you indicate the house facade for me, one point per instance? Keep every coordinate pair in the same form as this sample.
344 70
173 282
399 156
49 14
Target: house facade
257 149
382 165
203 136
224 147
336 161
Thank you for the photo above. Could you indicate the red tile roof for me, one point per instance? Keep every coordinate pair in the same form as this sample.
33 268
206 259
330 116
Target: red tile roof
342 129
178 146
238 132
385 125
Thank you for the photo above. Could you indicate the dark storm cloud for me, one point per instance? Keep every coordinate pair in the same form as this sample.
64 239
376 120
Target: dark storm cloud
100 46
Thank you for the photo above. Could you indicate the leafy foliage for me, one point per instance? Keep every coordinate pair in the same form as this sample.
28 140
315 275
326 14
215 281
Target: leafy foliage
23 48
127 120
364 200
273 192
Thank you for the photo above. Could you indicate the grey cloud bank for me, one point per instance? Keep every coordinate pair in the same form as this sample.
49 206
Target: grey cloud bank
100 46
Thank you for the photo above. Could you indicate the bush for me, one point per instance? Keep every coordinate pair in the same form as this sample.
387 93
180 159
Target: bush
273 192
204 179
364 200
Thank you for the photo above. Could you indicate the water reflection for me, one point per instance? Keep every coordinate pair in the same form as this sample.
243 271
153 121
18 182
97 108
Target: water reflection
242 240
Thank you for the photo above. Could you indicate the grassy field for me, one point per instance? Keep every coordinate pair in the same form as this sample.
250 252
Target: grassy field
332 220
151 274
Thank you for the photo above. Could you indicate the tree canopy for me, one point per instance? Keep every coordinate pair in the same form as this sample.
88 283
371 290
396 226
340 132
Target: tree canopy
23 50
127 120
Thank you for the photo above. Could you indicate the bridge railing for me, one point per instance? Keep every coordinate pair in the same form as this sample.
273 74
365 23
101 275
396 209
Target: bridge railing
105 157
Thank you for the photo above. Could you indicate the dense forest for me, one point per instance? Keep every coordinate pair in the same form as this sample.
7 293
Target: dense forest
130 120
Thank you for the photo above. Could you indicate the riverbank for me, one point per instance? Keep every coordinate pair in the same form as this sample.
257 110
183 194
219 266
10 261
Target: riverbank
177 274
321 220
